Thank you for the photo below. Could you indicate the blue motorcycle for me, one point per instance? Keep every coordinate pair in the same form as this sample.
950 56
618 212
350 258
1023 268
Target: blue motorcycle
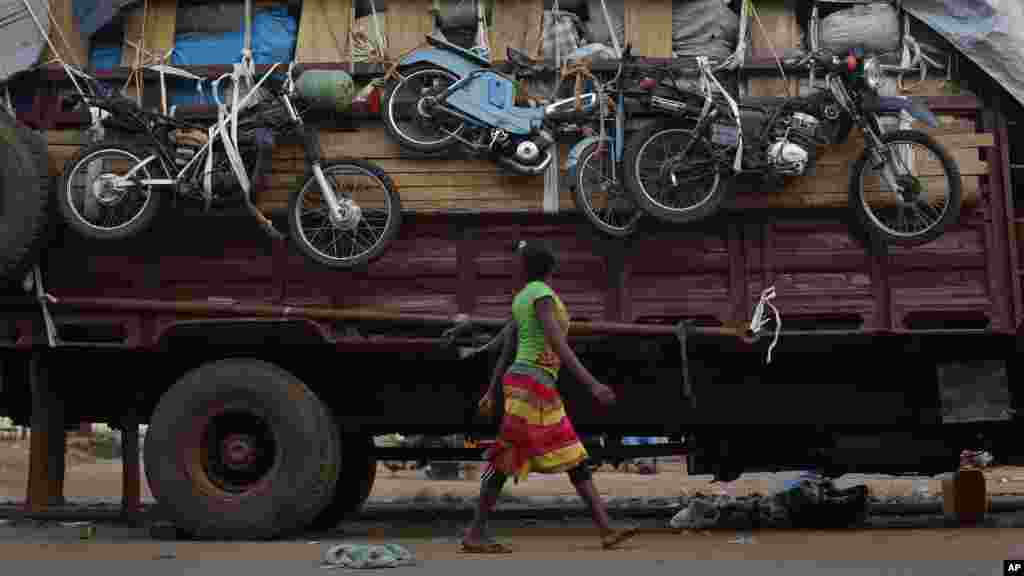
444 95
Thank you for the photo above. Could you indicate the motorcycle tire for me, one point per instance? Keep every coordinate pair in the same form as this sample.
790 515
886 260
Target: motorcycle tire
583 204
635 148
394 215
953 184
139 223
387 114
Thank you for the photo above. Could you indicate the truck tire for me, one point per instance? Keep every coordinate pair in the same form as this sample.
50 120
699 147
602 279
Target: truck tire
241 449
354 483
24 198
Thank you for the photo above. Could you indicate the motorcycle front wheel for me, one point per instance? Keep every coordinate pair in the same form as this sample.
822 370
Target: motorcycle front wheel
364 237
673 189
612 211
929 200
406 118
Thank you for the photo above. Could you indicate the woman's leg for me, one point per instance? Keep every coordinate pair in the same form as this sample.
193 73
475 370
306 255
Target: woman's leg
490 488
583 481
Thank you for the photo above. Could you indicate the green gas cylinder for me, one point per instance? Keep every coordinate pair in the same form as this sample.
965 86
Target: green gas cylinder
326 89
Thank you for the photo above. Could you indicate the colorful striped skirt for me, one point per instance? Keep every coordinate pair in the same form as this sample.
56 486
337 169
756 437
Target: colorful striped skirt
536 434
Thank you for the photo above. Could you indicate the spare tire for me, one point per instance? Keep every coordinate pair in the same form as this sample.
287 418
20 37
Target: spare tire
241 449
354 483
24 198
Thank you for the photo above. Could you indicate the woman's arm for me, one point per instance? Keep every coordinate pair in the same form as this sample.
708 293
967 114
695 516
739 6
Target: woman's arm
511 333
545 307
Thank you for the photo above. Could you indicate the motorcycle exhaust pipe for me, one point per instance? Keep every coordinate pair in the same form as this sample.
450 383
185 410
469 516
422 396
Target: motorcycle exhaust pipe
527 170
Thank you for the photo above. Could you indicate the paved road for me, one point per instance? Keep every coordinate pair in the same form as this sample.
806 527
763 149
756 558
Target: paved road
900 551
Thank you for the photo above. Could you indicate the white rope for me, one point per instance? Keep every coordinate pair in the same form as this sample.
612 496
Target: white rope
56 53
611 30
760 318
8 103
44 299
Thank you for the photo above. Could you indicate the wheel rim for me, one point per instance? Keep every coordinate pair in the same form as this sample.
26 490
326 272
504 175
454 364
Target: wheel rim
906 215
413 102
651 182
322 236
238 450
597 165
97 202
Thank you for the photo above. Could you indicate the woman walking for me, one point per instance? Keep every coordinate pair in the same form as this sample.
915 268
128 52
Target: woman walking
536 435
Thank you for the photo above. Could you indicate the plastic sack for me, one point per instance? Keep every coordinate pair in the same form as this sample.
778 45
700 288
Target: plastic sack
873 27
561 29
703 28
597 29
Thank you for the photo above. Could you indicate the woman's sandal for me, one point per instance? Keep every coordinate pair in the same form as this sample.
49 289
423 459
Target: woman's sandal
617 537
485 547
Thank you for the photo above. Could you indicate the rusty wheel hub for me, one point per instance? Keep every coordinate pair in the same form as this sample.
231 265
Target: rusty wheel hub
238 451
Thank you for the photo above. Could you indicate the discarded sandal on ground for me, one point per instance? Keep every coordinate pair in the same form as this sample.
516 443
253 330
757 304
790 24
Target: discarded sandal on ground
617 537
488 547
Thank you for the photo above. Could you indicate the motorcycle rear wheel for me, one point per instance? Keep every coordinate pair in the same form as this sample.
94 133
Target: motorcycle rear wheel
88 215
640 148
390 109
873 223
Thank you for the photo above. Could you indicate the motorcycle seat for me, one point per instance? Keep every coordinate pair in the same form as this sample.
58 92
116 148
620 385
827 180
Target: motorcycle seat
196 112
755 103
443 44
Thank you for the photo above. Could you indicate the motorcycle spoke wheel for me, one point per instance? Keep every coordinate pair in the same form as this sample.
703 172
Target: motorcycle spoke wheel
91 196
927 195
359 240
600 194
409 121
697 177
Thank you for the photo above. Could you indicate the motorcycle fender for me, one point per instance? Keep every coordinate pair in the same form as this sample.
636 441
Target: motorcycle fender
441 58
915 107
572 162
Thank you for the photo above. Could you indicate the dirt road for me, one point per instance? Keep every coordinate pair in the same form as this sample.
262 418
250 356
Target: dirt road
539 543
90 478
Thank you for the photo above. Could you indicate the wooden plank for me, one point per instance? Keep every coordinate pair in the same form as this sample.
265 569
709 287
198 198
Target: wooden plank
783 34
161 22
64 34
517 24
408 24
649 27
324 31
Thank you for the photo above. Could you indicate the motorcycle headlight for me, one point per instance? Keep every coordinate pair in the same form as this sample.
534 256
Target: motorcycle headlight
873 73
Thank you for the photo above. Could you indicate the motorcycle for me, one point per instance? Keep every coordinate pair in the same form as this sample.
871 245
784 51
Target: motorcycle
718 138
111 189
457 97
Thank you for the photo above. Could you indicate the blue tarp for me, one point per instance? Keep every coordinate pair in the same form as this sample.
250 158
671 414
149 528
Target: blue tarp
274 33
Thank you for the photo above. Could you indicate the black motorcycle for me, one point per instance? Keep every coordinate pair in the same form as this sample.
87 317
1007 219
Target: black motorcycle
905 186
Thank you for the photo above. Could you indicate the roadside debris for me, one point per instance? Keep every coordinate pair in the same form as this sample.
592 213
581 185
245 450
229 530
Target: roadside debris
86 530
975 459
807 502
354 556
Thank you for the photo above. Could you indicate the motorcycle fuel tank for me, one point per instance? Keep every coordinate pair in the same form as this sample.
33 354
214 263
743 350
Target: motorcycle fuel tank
490 98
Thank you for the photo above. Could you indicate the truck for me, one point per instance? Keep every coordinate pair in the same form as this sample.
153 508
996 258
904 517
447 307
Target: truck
262 379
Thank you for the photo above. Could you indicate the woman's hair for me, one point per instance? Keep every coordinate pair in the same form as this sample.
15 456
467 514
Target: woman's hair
538 258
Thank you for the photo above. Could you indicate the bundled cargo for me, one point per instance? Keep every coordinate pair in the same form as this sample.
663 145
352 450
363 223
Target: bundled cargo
703 28
873 27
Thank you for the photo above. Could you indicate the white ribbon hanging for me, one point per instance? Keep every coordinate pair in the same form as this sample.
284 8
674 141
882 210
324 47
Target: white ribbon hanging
760 318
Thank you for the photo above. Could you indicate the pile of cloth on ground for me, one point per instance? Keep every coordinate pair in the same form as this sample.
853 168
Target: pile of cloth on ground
809 501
